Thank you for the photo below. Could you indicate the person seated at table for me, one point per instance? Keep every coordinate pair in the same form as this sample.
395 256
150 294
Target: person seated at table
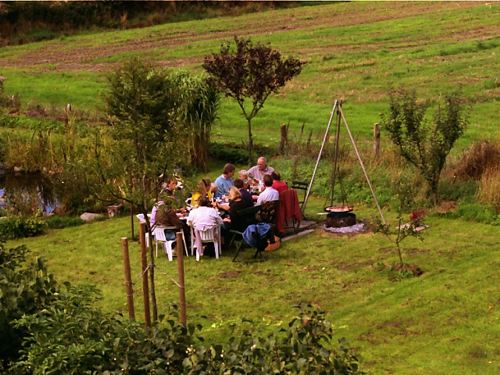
279 185
236 205
203 189
269 194
167 191
245 194
169 186
247 180
261 169
162 215
202 218
225 181
205 216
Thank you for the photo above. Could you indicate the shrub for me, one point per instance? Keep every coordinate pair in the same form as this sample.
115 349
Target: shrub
18 226
25 287
479 213
58 222
72 336
425 144
489 186
63 332
234 153
481 156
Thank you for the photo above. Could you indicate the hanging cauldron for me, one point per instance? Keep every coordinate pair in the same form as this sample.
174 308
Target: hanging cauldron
340 216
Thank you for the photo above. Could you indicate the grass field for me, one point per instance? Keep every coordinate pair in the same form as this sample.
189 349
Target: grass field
354 51
445 321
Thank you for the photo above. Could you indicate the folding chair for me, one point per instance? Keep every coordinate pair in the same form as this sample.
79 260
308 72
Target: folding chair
300 185
236 235
265 213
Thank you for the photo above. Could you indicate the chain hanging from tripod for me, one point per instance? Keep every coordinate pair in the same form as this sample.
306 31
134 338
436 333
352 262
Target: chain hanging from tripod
336 175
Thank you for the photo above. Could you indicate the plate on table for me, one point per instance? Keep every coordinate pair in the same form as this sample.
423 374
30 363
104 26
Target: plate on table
339 209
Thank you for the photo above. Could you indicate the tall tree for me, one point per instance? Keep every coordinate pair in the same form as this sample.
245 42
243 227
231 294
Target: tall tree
250 72
424 143
144 140
197 110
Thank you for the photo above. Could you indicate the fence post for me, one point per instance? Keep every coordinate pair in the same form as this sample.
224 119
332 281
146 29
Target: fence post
144 265
283 138
180 268
128 279
376 140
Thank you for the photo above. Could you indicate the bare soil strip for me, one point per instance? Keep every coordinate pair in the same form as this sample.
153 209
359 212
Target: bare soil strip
58 56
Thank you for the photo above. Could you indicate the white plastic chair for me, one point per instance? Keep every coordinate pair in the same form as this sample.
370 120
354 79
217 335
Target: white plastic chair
159 236
207 236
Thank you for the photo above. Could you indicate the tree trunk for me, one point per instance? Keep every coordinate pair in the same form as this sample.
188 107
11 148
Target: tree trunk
250 142
398 239
199 153
435 192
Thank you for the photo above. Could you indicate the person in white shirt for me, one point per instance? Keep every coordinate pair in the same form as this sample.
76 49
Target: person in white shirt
269 194
204 216
260 170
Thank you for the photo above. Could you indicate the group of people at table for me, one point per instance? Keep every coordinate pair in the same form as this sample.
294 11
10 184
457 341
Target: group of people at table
220 203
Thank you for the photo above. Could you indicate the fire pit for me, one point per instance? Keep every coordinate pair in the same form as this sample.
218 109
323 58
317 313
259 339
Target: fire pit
341 219
340 216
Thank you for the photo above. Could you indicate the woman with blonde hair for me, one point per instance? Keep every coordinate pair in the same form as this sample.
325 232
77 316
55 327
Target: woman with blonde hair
203 189
236 205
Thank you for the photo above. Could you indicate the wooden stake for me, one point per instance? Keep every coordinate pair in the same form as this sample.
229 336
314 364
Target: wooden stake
128 279
144 264
152 277
180 269
283 138
376 140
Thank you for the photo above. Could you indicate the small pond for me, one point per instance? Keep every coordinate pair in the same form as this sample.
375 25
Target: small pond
27 192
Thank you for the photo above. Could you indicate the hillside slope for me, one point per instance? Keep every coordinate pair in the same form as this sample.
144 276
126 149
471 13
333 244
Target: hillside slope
354 51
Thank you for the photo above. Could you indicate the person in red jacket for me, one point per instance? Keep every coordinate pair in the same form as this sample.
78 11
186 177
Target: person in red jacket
277 183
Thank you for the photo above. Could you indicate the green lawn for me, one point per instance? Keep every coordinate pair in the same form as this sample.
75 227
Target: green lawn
354 51
444 322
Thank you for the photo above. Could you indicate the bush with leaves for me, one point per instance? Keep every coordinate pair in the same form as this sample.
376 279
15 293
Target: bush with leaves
12 227
422 143
25 288
60 330
306 346
405 195
72 336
